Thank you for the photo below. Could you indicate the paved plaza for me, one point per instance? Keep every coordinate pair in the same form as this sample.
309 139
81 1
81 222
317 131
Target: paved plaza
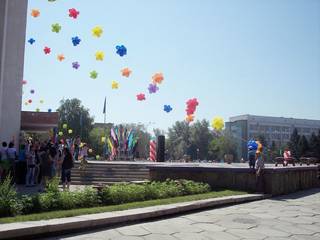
293 217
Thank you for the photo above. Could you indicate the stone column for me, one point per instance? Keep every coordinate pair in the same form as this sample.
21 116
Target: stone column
13 16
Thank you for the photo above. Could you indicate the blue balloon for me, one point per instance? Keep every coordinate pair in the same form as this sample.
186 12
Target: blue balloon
31 41
76 40
167 108
49 110
252 145
121 50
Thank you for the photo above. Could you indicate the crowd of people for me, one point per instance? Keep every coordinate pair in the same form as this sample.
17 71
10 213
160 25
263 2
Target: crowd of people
43 160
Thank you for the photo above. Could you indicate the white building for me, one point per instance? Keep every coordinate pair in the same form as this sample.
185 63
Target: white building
274 129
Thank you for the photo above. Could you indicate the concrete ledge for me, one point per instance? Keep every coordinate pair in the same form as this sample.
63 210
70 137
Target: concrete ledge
32 229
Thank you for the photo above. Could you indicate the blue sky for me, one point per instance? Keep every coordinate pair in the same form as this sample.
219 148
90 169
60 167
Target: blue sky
235 57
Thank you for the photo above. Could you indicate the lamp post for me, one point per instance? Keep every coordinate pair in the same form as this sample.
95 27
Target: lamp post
198 154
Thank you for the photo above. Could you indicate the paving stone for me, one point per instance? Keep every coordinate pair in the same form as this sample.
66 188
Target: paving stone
294 229
159 237
304 237
220 236
209 227
270 232
190 236
247 234
298 220
124 238
134 230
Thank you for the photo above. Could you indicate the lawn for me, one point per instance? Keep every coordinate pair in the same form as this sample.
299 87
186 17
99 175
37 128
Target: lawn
82 211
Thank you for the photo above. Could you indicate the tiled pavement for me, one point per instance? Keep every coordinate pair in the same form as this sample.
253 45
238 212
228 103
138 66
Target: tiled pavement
293 217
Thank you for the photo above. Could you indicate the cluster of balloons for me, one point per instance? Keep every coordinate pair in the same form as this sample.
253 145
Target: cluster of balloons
191 108
217 123
254 145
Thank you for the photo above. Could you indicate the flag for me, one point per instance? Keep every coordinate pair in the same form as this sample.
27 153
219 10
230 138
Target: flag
104 105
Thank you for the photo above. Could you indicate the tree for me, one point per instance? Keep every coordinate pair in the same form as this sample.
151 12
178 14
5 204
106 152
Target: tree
178 139
314 146
200 138
303 146
77 118
224 144
293 143
157 132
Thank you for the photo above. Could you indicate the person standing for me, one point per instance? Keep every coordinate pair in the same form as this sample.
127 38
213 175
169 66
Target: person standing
4 163
31 164
12 157
45 164
251 157
259 166
67 165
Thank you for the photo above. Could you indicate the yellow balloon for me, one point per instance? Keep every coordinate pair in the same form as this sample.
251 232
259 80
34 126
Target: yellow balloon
90 150
64 126
97 31
70 131
103 139
99 55
114 85
98 157
217 123
60 134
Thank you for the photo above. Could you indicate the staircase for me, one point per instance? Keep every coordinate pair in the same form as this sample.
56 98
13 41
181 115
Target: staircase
97 173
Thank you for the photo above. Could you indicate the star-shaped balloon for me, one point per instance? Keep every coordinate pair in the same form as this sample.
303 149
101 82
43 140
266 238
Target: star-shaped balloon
75 65
31 41
141 97
157 78
37 109
126 72
217 123
114 85
61 57
26 103
49 110
93 74
189 118
55 27
35 13
75 40
64 126
73 13
121 50
32 91
70 131
30 101
24 82
97 31
47 50
41 101
99 55
60 134
167 108
153 88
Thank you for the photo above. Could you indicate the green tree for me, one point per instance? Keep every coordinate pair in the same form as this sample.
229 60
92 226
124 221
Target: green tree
178 139
314 146
303 146
77 118
224 144
293 143
95 139
200 137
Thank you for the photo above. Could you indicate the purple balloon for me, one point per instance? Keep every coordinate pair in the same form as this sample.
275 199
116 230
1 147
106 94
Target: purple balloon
75 65
153 88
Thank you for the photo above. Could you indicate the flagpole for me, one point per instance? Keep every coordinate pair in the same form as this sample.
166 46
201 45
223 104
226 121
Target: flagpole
104 126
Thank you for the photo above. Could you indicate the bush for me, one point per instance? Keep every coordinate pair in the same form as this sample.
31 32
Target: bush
87 198
9 202
30 204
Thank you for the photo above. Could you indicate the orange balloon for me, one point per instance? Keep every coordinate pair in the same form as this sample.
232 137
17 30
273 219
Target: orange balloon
60 57
126 72
35 13
189 118
157 78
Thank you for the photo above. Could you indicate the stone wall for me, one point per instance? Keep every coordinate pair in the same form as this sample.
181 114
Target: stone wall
277 181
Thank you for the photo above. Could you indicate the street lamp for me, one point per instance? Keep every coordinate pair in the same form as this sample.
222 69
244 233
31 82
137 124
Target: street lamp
198 154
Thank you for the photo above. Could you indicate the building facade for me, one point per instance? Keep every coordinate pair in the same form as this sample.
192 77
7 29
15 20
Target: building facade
273 129
13 15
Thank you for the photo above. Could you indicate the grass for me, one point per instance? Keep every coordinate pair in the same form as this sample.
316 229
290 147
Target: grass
110 208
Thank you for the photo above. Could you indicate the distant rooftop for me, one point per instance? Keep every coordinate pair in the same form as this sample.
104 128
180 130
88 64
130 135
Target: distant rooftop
274 119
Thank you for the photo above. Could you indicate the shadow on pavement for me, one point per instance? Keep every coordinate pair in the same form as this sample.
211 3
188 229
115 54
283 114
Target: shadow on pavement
297 195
